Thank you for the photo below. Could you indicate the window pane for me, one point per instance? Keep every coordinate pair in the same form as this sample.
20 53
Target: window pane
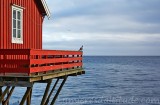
19 15
14 23
19 34
14 14
19 24
14 33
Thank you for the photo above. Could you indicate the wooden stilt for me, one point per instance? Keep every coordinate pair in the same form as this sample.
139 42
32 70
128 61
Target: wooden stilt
6 102
46 92
25 95
10 82
29 98
1 93
47 101
4 93
58 91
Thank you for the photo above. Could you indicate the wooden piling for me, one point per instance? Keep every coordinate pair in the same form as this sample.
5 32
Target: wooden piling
9 84
47 101
46 92
29 98
6 102
4 93
25 95
58 91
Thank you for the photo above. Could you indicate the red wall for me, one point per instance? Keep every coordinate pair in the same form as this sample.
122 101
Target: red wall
32 25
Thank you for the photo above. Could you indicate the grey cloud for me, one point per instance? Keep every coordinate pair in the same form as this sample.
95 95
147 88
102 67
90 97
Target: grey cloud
97 16
101 47
102 17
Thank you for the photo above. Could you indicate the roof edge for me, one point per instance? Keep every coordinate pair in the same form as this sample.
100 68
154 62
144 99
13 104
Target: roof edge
46 8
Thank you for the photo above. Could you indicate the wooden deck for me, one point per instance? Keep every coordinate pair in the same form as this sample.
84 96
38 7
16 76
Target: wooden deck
28 81
25 67
11 82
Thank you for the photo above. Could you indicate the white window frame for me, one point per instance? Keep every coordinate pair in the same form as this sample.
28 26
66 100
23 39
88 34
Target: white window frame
16 39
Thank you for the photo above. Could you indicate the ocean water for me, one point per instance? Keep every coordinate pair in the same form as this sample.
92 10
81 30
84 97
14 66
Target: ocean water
109 80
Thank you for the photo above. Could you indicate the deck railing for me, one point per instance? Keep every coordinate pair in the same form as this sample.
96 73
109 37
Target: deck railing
30 61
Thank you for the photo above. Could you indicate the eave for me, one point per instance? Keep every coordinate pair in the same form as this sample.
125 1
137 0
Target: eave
47 12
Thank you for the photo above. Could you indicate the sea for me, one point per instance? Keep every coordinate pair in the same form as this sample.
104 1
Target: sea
109 80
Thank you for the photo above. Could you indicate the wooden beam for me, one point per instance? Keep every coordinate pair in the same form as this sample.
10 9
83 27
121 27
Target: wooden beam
25 95
54 75
4 93
58 91
29 98
59 74
75 74
83 72
41 81
26 81
1 92
8 97
18 83
46 92
47 101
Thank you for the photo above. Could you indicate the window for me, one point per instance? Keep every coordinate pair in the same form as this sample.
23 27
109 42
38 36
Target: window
17 29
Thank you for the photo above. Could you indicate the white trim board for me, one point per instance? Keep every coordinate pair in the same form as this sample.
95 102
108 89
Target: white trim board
46 8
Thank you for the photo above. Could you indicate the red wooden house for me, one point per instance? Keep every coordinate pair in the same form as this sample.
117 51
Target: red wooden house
21 41
21 23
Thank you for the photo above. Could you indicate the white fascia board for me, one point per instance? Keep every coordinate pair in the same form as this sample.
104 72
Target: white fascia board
46 8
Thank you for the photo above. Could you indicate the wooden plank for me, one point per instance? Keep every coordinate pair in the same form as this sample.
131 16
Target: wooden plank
55 67
18 83
54 75
53 60
34 78
60 74
55 52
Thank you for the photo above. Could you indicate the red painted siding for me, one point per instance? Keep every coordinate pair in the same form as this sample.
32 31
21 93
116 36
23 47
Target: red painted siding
32 25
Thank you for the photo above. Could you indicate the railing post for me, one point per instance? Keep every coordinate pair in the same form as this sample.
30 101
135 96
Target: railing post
62 62
29 65
4 65
82 59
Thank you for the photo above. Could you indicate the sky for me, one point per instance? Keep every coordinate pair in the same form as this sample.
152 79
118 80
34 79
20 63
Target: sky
104 27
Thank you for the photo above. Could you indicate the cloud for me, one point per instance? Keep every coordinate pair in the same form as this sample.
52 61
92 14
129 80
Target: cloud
104 44
102 24
105 27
